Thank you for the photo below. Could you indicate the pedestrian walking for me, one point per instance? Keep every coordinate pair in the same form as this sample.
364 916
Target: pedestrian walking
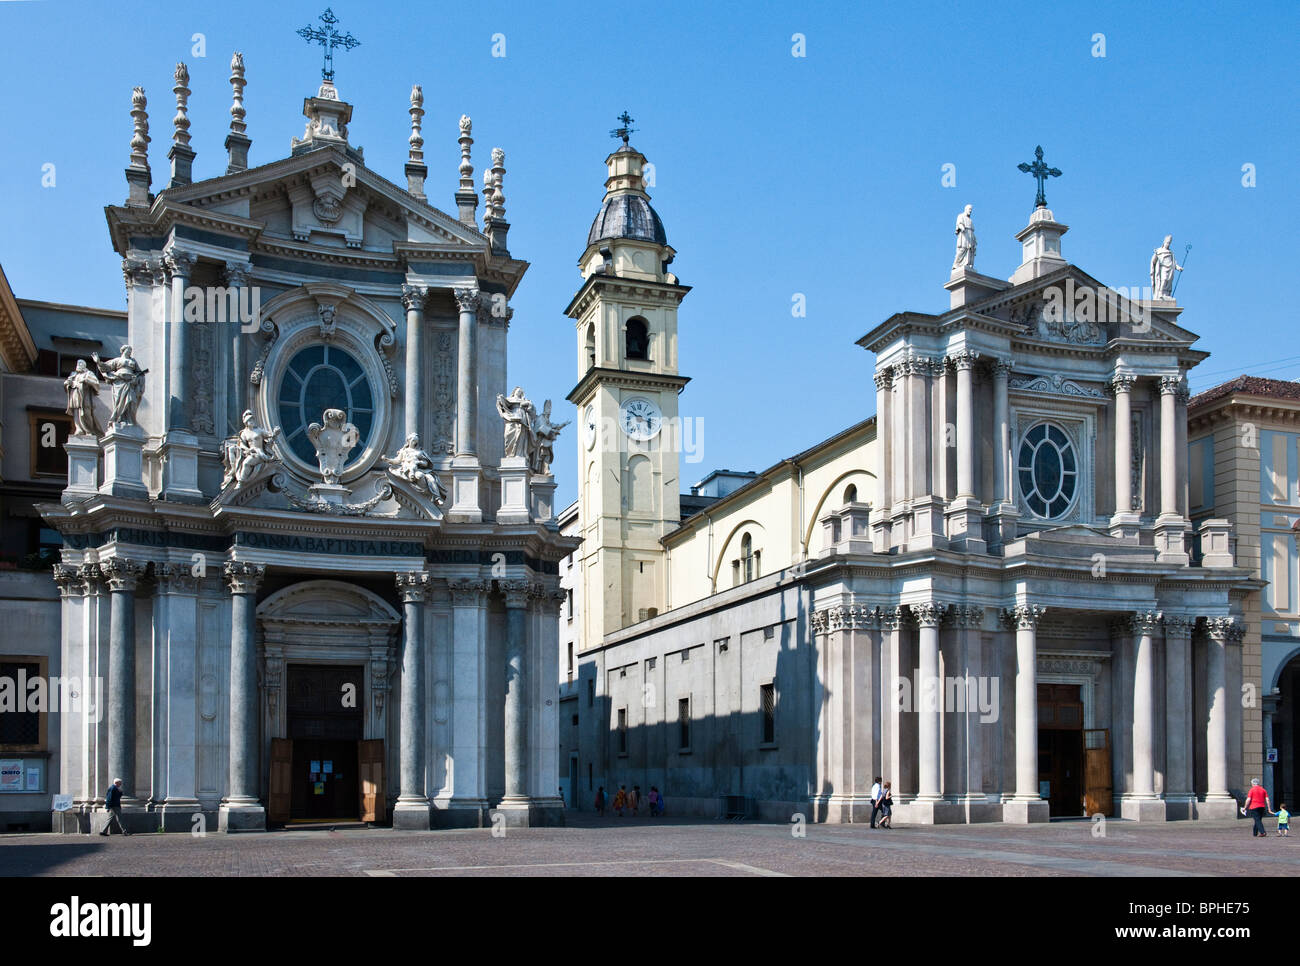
620 800
877 794
599 803
1283 820
634 799
1257 806
653 801
887 806
113 802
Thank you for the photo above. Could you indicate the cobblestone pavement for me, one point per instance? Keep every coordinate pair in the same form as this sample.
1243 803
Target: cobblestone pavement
680 847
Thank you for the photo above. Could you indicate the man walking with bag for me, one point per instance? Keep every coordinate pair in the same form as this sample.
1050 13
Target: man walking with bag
113 802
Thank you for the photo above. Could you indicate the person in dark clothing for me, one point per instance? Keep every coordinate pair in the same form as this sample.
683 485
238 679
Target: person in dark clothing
877 797
113 802
599 803
1257 806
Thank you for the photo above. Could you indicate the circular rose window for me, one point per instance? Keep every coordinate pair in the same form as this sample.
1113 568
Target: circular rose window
1048 471
318 378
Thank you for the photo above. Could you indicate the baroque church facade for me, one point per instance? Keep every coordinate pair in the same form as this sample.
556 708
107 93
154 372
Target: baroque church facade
296 552
990 593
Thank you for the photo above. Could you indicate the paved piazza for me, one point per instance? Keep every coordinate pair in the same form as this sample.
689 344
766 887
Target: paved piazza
613 847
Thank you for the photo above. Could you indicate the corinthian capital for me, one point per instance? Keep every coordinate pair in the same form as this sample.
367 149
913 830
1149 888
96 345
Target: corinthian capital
1024 617
468 299
414 297
122 573
1121 382
929 613
1145 622
243 577
413 586
466 593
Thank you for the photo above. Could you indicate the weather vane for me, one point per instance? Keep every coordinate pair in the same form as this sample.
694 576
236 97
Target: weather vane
626 130
1040 171
329 38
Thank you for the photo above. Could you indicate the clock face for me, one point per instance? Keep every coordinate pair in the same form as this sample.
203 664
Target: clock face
590 428
641 419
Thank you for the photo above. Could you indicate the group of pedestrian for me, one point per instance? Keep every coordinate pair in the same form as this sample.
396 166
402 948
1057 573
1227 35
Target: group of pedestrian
1257 806
882 804
630 802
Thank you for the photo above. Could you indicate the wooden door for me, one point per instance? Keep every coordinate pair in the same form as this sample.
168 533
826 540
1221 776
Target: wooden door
370 758
1096 772
280 799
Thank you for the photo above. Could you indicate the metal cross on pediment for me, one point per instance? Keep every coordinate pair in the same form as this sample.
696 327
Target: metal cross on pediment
329 38
626 130
1040 171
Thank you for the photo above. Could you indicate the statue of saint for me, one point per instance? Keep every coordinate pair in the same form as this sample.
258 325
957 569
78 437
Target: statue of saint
545 432
517 411
333 442
415 466
245 454
127 379
965 231
1163 266
82 387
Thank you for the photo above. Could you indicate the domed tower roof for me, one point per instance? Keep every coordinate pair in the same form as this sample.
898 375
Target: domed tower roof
627 216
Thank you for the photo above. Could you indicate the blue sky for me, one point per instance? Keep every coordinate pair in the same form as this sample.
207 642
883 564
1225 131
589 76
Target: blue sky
775 175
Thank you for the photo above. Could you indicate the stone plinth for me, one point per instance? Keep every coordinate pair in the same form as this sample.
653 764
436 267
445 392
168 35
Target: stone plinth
1142 809
966 285
1006 523
965 520
529 813
83 468
330 493
181 468
514 490
242 818
928 812
1216 544
854 534
542 492
1024 812
466 506
1125 526
411 816
1169 540
1213 808
124 463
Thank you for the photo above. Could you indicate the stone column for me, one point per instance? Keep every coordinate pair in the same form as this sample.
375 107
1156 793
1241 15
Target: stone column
240 809
1026 805
466 506
929 703
179 363
884 464
412 807
468 804
965 515
1004 509
969 621
1142 803
1179 799
176 692
1219 802
1124 522
413 300
1170 529
928 529
237 274
516 799
122 575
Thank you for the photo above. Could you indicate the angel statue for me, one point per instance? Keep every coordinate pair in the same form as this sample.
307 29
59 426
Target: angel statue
517 411
333 442
127 379
245 454
415 466
545 432
82 387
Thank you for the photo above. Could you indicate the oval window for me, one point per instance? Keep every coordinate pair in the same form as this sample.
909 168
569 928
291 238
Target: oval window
1047 470
318 378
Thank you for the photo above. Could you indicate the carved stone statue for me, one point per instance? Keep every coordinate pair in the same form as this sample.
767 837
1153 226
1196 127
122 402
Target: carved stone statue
127 379
333 442
82 387
965 232
545 433
245 454
517 411
415 466
1163 266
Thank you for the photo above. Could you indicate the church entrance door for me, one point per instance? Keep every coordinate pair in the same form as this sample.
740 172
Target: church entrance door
324 717
1060 748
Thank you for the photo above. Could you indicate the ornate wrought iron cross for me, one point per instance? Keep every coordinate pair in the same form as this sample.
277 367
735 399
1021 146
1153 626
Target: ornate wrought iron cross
1040 171
626 130
329 38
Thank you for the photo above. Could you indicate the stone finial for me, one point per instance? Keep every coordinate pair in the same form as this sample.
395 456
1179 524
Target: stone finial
496 226
498 173
181 122
466 198
417 112
138 177
416 170
487 197
237 141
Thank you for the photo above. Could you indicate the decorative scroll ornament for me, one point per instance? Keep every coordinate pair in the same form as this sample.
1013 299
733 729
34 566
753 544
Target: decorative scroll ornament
333 441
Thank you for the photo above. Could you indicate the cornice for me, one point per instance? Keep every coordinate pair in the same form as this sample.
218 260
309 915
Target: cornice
630 380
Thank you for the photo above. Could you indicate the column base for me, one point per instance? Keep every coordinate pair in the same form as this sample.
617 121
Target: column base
466 478
965 520
1214 808
542 493
1180 807
463 813
929 811
124 463
842 809
241 818
412 815
529 813
927 525
83 468
180 452
1170 540
514 474
177 815
880 530
1025 811
1125 526
1006 523
135 819
1142 809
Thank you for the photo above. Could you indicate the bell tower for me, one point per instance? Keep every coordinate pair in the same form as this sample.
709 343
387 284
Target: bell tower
625 328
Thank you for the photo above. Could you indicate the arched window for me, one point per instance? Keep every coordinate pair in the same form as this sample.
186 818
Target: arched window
638 339
591 346
850 494
747 556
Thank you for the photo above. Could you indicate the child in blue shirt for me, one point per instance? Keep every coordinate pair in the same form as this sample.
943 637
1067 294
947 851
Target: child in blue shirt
1283 820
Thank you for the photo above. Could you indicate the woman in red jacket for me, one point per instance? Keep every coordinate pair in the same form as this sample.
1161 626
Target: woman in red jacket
1257 806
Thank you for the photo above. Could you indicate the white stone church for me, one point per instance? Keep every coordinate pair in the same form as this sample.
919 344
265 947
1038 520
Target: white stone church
312 581
989 594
